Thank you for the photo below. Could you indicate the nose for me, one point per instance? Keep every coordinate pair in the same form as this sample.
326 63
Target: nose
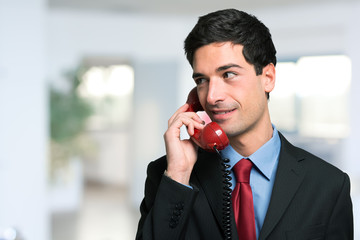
215 92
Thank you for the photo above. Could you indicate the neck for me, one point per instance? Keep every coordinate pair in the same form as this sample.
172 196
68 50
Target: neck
248 142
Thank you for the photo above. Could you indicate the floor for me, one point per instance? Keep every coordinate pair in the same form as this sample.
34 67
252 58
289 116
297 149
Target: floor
105 215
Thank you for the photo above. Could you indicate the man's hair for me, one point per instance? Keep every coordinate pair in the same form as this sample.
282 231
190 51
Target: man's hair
238 27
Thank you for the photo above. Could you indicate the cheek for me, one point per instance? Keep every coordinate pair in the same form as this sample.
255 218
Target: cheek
202 94
259 90
251 98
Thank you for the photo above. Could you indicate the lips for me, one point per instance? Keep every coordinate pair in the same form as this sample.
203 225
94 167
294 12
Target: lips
221 115
221 112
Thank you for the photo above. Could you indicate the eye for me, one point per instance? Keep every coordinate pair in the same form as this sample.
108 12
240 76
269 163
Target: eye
199 81
229 75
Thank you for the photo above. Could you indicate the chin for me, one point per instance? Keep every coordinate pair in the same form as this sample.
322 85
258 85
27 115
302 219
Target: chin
230 132
233 132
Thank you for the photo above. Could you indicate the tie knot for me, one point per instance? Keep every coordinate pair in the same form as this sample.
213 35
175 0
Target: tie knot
242 170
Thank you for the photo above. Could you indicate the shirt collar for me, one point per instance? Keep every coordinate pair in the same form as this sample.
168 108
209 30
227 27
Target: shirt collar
265 158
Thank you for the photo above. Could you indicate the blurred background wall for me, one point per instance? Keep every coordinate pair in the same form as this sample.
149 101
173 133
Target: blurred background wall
118 72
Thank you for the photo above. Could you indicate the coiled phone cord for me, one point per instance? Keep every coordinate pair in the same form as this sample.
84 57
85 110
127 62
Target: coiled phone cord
226 221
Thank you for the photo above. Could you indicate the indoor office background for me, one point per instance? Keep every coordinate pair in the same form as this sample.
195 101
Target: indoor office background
87 87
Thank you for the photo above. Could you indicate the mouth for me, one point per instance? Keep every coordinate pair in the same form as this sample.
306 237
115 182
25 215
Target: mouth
221 115
222 112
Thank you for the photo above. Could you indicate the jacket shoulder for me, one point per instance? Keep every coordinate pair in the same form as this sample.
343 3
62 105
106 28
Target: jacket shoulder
312 163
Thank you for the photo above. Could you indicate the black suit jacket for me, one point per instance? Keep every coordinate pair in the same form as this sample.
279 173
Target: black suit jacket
310 200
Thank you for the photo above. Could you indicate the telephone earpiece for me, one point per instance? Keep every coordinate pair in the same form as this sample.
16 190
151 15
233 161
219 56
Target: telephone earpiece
212 136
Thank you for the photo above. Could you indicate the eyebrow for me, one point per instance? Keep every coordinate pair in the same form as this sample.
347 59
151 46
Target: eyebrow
222 68
219 69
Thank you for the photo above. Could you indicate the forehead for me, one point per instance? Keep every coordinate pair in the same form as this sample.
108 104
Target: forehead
218 54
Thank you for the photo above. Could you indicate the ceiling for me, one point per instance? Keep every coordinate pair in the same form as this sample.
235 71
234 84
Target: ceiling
178 7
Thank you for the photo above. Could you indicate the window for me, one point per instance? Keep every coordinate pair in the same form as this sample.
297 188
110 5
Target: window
311 96
110 89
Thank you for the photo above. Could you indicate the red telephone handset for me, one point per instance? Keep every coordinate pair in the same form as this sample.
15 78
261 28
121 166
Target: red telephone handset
212 135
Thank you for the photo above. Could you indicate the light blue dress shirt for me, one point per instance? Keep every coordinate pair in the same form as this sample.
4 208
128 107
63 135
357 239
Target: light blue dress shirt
262 175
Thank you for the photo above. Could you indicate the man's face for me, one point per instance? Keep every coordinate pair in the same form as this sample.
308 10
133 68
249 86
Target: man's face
229 89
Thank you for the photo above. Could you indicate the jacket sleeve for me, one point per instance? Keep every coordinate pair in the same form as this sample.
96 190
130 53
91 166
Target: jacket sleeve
165 208
341 220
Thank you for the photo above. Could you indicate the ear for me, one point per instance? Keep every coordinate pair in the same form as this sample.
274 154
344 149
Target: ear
269 77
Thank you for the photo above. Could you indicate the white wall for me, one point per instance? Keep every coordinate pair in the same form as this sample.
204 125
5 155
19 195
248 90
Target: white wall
308 29
23 119
74 34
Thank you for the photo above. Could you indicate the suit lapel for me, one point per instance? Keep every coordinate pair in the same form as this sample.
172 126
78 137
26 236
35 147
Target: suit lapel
289 176
208 172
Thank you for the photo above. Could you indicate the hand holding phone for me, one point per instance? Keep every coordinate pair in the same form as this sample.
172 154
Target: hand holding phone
211 136
182 154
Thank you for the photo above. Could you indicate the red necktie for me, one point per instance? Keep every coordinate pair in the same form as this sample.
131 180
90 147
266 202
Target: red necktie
242 201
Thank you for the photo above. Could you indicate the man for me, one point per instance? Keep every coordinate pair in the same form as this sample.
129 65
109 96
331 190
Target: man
294 194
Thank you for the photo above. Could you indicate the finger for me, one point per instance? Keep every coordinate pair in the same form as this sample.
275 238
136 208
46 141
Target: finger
182 109
190 115
195 117
188 122
194 125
